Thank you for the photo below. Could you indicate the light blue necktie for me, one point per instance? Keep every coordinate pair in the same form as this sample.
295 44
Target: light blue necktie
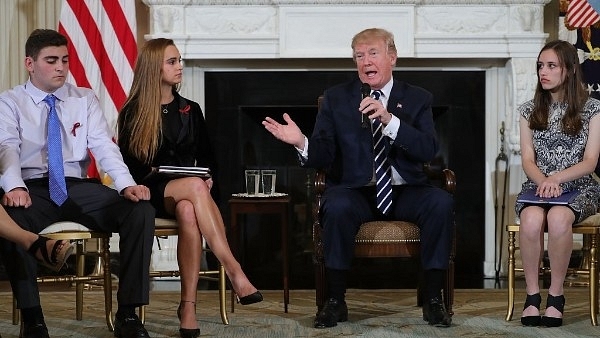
382 166
56 171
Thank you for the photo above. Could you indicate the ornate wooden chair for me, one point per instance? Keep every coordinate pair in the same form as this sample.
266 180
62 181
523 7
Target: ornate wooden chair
80 234
590 228
383 239
165 227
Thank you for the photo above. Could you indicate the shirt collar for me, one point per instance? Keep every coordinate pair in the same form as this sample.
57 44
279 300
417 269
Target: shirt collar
38 95
387 89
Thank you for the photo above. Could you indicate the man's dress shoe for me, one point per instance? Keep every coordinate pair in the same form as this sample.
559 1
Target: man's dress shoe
332 312
130 327
35 330
434 312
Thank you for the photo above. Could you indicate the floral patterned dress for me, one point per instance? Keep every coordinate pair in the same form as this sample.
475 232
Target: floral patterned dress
556 151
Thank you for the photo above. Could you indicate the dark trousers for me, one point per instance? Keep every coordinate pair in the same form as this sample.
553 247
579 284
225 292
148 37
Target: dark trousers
344 209
99 208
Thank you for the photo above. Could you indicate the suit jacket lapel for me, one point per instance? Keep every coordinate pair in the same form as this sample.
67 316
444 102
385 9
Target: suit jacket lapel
185 121
395 102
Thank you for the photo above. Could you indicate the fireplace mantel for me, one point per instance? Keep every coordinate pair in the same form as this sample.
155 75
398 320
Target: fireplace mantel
500 37
206 29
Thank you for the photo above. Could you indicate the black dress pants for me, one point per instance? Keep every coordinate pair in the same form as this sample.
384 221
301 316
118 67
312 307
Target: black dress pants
99 208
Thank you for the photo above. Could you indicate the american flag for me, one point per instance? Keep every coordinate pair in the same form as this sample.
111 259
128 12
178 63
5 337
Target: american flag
583 13
102 50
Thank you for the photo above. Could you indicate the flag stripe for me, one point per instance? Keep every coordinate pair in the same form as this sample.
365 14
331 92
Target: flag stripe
75 65
94 38
126 39
581 14
102 49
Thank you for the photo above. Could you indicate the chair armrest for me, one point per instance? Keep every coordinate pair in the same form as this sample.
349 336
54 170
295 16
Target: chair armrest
320 182
446 177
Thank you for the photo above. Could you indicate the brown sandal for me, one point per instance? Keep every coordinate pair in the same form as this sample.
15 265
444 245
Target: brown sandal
54 260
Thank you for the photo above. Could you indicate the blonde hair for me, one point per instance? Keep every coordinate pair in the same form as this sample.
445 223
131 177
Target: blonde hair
370 34
140 120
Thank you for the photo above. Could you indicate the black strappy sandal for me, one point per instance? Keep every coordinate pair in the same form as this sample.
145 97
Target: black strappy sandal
55 259
558 302
534 300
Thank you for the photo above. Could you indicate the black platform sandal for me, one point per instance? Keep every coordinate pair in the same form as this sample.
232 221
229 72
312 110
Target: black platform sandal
558 302
56 258
534 300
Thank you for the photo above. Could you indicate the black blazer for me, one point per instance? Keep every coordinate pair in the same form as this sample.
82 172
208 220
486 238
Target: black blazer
191 147
341 146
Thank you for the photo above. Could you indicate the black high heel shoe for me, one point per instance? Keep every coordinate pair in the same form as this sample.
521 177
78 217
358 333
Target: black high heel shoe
558 302
534 300
187 333
250 299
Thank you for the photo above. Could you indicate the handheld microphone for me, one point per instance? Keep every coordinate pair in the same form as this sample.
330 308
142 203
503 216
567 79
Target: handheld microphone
365 90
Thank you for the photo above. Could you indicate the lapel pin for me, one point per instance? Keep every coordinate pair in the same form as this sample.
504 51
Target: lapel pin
399 105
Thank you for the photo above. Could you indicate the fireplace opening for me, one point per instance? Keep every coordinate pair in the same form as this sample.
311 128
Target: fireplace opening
237 102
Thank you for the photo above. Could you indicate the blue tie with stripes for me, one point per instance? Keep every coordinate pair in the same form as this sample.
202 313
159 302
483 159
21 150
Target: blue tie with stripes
382 166
56 172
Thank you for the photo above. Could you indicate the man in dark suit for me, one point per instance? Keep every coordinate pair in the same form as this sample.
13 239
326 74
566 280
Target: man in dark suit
357 170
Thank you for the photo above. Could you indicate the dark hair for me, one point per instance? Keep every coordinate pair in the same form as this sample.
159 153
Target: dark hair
574 93
42 38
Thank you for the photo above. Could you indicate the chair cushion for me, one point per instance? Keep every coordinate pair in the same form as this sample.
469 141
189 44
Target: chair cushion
64 226
388 232
387 239
593 220
168 223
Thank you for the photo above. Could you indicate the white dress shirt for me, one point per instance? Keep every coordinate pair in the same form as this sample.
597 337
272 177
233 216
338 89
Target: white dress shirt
23 136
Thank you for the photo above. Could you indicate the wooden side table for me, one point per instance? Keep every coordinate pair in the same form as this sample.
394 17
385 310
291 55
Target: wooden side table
269 205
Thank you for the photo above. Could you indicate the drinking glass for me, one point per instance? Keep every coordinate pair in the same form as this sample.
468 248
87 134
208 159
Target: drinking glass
252 181
268 178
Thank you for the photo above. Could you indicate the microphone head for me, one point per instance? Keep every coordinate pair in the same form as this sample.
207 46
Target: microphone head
365 90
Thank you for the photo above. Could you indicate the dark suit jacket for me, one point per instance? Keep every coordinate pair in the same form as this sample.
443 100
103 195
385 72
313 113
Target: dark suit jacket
340 145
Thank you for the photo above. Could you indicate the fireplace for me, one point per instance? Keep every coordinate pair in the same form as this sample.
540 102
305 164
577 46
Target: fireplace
237 102
304 45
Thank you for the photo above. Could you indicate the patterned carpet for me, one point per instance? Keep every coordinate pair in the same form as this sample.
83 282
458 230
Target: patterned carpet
373 313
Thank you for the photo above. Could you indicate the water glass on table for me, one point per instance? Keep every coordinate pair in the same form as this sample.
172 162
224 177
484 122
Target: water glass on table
252 181
268 178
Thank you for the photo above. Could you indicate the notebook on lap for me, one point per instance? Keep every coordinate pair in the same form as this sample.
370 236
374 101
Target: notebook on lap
529 196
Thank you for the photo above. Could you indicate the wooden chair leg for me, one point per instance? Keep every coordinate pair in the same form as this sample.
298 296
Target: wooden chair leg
511 276
319 263
320 284
449 289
